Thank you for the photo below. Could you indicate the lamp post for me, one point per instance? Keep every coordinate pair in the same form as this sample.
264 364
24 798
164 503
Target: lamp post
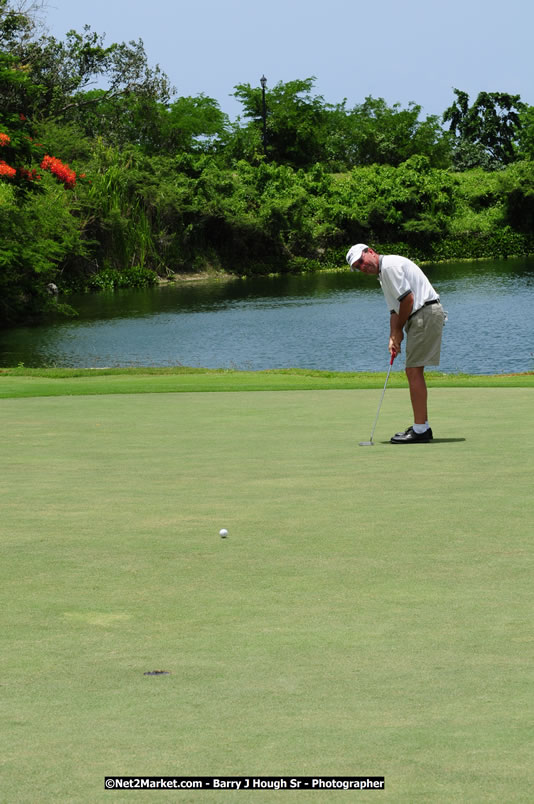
263 82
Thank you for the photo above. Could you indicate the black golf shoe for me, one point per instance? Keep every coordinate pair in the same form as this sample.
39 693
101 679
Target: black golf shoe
411 437
404 432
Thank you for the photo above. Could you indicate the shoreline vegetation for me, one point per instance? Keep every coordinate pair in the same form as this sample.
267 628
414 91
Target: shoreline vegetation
131 186
222 276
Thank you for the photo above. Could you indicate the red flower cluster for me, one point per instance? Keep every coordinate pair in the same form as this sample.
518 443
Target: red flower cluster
29 175
60 171
6 170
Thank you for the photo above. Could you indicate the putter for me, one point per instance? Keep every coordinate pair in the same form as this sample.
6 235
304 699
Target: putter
370 442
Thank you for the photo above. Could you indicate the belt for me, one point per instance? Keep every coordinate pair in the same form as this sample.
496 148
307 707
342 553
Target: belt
426 304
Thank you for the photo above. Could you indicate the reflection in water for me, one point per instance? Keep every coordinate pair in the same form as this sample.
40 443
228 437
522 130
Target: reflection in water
325 321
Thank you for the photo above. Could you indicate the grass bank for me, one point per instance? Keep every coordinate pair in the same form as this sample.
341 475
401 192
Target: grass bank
24 382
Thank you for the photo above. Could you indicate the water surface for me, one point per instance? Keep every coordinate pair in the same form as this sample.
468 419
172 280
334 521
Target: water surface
336 322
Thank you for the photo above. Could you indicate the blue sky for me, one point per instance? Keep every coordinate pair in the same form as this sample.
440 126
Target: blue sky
416 50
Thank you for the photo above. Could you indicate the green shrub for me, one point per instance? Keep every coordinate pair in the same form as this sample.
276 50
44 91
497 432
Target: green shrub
36 235
113 279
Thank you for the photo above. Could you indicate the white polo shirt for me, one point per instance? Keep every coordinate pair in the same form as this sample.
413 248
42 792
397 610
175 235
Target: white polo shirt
398 277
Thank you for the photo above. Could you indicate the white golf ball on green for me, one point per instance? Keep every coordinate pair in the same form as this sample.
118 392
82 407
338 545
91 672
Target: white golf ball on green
223 533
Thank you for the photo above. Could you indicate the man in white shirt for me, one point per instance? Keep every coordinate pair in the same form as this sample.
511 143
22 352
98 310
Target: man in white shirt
415 309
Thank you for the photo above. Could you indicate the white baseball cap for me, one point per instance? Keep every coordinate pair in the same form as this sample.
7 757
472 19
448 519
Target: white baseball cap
355 252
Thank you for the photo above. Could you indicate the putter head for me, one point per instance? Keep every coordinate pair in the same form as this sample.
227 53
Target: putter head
366 444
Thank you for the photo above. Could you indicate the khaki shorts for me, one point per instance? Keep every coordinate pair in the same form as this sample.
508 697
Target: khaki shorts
423 336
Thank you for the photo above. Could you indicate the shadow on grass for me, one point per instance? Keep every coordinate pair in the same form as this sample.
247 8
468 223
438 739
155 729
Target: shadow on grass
434 441
446 440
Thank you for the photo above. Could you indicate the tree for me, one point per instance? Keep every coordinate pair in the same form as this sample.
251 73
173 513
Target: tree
296 121
37 229
65 71
412 203
303 130
389 135
192 125
525 147
486 132
18 88
188 125
517 191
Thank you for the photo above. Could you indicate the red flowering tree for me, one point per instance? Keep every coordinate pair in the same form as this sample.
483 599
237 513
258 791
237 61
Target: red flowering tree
37 228
5 169
19 153
60 171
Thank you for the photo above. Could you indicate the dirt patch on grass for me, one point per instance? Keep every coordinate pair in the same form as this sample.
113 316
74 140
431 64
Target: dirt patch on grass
202 276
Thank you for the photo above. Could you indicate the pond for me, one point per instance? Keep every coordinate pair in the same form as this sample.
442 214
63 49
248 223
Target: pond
332 321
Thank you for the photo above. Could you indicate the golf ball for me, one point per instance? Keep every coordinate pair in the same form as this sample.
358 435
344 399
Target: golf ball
223 533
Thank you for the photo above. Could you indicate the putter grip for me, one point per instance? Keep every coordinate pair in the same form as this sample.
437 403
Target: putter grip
393 356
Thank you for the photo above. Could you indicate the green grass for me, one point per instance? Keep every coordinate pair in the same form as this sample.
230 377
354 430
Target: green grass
370 612
25 382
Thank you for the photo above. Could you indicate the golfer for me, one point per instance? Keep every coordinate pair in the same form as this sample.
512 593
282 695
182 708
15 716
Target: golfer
415 309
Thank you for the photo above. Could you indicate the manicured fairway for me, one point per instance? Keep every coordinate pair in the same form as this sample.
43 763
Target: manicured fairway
370 613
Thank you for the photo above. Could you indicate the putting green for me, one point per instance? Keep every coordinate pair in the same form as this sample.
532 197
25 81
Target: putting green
369 614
